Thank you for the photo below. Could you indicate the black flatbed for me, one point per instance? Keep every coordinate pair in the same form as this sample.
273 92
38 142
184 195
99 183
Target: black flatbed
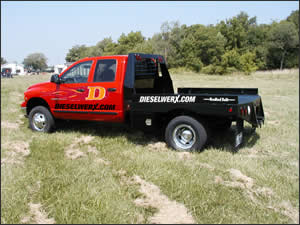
209 104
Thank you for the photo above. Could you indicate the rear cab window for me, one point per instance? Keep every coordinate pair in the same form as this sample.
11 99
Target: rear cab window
145 72
105 70
151 76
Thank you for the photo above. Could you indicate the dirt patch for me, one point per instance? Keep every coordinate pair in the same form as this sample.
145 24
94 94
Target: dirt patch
25 219
84 139
218 180
16 153
251 191
239 180
122 172
124 180
264 191
102 161
158 146
288 210
10 161
236 175
72 151
169 212
74 154
184 155
9 125
21 147
37 215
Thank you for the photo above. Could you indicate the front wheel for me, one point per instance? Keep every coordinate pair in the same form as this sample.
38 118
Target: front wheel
41 120
184 133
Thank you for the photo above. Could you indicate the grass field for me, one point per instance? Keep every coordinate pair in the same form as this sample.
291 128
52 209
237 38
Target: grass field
103 173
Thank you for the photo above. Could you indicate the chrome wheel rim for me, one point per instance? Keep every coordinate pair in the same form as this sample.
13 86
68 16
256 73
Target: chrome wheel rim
39 121
184 136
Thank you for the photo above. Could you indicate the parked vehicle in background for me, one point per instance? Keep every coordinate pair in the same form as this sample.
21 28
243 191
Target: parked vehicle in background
49 69
6 72
137 89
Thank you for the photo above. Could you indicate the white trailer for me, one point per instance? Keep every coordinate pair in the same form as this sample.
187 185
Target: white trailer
14 68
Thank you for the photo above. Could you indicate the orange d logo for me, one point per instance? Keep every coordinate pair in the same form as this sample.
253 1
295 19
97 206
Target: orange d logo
92 93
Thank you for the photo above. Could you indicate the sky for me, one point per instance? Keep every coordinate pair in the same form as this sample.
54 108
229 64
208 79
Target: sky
52 28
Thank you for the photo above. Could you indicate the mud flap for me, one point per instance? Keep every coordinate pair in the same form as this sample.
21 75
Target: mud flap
238 137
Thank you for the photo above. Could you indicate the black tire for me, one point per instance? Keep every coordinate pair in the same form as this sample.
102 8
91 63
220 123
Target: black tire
184 133
41 120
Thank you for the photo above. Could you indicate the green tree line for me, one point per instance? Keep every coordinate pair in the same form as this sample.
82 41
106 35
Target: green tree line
236 44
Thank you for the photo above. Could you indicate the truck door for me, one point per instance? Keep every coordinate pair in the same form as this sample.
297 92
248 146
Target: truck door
105 91
71 93
91 90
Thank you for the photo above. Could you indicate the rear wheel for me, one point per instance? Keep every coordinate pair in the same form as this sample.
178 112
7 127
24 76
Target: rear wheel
40 119
184 133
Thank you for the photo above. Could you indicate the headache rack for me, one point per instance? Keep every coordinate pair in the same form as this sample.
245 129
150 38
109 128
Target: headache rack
146 67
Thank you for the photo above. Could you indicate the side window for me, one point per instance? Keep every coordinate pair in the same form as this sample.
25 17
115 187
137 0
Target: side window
105 70
78 73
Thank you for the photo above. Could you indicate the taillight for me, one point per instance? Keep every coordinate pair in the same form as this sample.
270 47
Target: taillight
138 57
160 59
246 110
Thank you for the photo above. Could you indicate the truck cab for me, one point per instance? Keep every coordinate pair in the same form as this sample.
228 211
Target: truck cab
90 89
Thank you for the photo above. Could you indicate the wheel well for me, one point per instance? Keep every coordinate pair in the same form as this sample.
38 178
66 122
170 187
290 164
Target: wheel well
179 112
33 102
206 120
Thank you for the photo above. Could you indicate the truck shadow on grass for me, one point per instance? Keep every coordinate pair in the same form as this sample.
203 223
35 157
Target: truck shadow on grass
224 140
108 130
220 140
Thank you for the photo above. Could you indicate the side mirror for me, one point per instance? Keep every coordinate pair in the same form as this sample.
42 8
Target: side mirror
55 79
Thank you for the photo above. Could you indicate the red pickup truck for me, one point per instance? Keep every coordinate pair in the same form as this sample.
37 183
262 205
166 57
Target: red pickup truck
137 89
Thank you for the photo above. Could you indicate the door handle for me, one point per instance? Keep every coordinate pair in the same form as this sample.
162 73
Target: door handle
80 90
111 89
